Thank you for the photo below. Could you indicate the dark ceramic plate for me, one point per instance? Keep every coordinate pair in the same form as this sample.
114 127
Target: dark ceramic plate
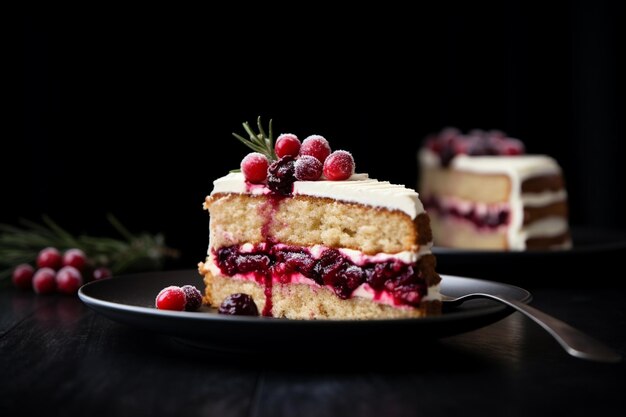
595 253
130 300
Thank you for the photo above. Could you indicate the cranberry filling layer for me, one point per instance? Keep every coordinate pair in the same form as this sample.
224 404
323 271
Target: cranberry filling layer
402 281
490 217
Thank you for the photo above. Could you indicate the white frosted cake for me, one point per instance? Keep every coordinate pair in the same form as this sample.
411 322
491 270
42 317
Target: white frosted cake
308 249
482 192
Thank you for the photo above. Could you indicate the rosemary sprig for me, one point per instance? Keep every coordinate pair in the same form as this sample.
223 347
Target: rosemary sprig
259 141
135 252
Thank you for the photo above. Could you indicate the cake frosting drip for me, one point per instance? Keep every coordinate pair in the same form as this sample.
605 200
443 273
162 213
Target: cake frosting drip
359 188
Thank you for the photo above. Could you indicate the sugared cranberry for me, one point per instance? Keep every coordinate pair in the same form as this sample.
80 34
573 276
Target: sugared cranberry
49 258
69 280
316 146
287 144
446 156
308 168
281 175
254 167
511 147
193 297
23 276
44 281
239 305
450 143
101 273
496 135
477 146
75 258
339 166
171 298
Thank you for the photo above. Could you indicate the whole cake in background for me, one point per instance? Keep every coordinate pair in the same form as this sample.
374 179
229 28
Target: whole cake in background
482 192
306 238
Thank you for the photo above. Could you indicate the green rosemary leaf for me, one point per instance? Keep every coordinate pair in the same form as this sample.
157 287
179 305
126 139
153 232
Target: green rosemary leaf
133 253
259 142
65 236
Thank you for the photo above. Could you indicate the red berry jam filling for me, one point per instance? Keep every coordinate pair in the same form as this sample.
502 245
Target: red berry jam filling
266 262
491 218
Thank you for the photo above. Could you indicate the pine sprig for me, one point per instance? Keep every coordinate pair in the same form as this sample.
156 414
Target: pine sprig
259 141
135 252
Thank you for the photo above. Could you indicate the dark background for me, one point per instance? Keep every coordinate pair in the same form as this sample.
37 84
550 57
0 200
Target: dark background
133 114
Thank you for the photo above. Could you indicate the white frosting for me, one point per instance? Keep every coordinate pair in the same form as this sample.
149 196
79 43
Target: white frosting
359 258
357 189
518 168
546 227
543 198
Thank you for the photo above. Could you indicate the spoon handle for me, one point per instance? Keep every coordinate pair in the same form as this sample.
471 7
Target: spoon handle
573 341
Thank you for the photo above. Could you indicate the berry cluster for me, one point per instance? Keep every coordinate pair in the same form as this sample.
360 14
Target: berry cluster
187 298
63 273
402 281
302 161
451 142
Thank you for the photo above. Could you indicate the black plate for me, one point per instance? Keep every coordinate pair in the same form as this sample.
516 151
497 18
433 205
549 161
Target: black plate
130 300
595 254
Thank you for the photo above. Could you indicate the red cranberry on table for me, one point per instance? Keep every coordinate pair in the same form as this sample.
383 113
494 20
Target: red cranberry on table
44 281
308 168
171 298
75 258
339 166
69 280
23 276
254 167
287 144
49 258
239 305
316 146
102 273
193 297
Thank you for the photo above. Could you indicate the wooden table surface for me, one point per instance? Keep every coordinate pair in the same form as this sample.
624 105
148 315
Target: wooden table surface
57 357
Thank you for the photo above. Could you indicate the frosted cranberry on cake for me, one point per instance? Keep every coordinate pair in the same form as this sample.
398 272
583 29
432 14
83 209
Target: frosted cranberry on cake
482 192
314 240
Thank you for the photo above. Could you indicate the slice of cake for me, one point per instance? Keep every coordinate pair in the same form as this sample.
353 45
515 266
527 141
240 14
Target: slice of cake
482 192
304 246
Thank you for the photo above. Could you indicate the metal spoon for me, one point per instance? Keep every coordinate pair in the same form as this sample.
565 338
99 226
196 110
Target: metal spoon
573 341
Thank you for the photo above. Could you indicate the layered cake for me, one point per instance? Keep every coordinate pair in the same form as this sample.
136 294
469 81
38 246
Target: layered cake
482 192
307 238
